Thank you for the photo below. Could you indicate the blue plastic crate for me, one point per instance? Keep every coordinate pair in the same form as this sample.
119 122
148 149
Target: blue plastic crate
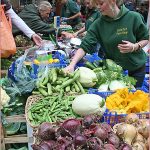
147 65
102 94
146 83
147 69
113 118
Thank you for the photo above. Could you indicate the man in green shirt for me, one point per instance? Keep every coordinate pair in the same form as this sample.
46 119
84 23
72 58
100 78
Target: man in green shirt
35 17
122 35
71 12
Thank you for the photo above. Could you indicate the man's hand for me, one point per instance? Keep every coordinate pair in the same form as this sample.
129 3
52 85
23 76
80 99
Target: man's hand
67 35
37 39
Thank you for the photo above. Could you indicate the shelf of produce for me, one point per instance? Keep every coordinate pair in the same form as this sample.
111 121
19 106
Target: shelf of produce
22 138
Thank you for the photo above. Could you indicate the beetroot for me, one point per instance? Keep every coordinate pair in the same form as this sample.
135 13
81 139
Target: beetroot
46 131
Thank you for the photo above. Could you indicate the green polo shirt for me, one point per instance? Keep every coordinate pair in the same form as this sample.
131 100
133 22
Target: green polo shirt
70 9
128 25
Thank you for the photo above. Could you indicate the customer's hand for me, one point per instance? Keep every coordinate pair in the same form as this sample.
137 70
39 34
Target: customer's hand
37 39
64 19
75 34
126 47
67 35
69 69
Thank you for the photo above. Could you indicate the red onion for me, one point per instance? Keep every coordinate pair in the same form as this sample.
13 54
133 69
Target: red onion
59 147
35 147
114 140
109 147
101 133
94 143
50 143
106 126
72 126
42 146
88 120
46 131
125 147
80 140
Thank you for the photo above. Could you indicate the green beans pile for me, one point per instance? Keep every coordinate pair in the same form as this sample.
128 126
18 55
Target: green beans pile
51 109
56 80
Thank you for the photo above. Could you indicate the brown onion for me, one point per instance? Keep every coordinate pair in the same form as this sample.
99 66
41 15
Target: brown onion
131 118
148 143
144 128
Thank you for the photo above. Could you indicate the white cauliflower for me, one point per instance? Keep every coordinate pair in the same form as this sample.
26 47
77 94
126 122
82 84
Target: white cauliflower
4 100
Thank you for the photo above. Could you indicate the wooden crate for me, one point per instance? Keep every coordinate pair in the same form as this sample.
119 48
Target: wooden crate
22 138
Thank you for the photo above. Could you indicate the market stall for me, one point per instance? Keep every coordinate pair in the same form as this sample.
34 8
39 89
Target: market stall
95 107
41 94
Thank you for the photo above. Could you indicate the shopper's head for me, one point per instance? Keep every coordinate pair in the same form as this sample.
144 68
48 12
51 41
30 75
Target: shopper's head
63 1
108 7
89 4
44 9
